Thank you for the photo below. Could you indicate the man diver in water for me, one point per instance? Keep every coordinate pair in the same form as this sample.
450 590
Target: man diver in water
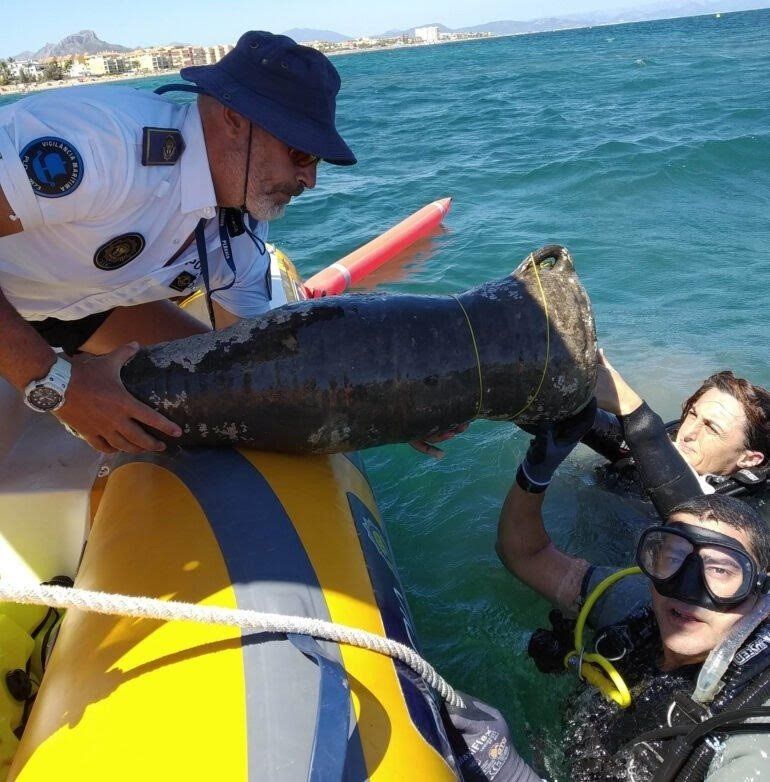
703 577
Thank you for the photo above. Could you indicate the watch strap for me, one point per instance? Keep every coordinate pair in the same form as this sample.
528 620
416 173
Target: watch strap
57 379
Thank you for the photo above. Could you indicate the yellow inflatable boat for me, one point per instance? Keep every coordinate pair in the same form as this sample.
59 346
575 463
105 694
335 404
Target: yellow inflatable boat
127 699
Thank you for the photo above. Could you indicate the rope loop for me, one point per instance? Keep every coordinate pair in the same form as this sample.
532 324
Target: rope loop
255 621
480 405
535 265
532 397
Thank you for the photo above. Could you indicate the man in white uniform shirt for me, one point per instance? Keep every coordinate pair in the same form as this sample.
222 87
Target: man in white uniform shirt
113 201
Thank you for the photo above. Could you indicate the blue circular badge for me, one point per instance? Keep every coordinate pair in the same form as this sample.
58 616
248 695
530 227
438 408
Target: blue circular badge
53 165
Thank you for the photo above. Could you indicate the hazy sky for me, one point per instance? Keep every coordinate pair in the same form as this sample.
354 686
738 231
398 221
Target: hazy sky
147 22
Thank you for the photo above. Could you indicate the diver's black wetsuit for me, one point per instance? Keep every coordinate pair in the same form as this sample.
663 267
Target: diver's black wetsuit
643 460
602 741
643 441
599 740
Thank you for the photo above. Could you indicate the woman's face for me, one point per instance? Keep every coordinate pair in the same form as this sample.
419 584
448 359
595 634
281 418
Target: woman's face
712 436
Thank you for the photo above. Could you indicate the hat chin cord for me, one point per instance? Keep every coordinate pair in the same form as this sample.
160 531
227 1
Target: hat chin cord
244 209
258 243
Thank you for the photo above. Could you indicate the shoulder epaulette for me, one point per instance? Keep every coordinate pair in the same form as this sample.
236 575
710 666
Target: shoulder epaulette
161 146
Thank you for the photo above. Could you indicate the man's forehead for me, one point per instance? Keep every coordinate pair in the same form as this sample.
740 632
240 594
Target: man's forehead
714 525
685 518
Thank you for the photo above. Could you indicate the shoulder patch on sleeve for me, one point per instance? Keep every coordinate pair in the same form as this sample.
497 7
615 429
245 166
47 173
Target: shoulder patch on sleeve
53 165
161 146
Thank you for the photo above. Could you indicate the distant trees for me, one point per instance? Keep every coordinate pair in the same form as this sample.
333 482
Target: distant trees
6 74
54 69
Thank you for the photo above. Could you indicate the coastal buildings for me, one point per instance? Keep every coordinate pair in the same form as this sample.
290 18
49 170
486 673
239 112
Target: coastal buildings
154 62
157 59
427 34
16 76
24 70
106 64
85 67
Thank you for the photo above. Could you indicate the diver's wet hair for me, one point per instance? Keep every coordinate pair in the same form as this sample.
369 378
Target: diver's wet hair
736 514
754 400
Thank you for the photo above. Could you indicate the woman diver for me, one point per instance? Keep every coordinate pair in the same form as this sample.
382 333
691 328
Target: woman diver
700 587
723 434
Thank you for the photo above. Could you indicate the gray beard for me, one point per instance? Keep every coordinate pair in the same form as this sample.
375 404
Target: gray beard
264 209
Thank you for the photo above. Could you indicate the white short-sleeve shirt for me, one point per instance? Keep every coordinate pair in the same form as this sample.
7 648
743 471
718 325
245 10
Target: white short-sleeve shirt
71 169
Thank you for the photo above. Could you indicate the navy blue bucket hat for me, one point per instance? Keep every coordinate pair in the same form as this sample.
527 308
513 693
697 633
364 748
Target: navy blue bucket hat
287 89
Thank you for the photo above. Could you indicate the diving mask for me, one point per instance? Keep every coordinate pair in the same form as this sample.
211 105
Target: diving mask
698 566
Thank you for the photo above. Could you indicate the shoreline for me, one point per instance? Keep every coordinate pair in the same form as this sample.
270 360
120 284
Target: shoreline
25 89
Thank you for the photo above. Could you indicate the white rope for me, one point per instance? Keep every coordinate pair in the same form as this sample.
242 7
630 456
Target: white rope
256 621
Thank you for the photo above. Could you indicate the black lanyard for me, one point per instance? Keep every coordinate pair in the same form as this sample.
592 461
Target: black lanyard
227 251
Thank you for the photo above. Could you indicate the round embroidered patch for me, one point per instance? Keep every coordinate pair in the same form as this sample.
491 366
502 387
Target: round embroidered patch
118 251
53 165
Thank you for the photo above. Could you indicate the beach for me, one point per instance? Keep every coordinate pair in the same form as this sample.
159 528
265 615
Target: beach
26 89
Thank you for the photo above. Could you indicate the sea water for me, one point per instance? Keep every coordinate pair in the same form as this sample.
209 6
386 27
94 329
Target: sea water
645 149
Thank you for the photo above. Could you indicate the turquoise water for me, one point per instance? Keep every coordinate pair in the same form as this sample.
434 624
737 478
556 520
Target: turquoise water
645 149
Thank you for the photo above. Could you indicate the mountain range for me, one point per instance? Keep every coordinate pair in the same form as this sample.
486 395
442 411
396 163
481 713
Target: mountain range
663 9
87 42
84 42
305 34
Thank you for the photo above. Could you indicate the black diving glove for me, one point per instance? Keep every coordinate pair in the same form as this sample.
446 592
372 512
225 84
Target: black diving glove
551 445
665 474
606 437
607 424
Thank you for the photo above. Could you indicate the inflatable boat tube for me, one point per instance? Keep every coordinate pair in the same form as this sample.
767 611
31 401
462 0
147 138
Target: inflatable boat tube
126 699
350 372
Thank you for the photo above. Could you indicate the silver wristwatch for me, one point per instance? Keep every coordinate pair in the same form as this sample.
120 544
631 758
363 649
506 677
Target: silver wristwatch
47 394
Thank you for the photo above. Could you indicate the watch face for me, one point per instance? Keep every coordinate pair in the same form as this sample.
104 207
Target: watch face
44 398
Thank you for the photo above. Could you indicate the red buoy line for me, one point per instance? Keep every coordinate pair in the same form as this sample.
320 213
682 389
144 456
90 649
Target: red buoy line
347 271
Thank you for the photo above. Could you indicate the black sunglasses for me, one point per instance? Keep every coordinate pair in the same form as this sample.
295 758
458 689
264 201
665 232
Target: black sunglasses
302 159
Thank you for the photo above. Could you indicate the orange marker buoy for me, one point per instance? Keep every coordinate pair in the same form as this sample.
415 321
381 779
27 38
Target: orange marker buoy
341 275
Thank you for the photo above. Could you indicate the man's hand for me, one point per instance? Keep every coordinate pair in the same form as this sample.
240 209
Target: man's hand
612 392
551 445
98 408
568 431
428 447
